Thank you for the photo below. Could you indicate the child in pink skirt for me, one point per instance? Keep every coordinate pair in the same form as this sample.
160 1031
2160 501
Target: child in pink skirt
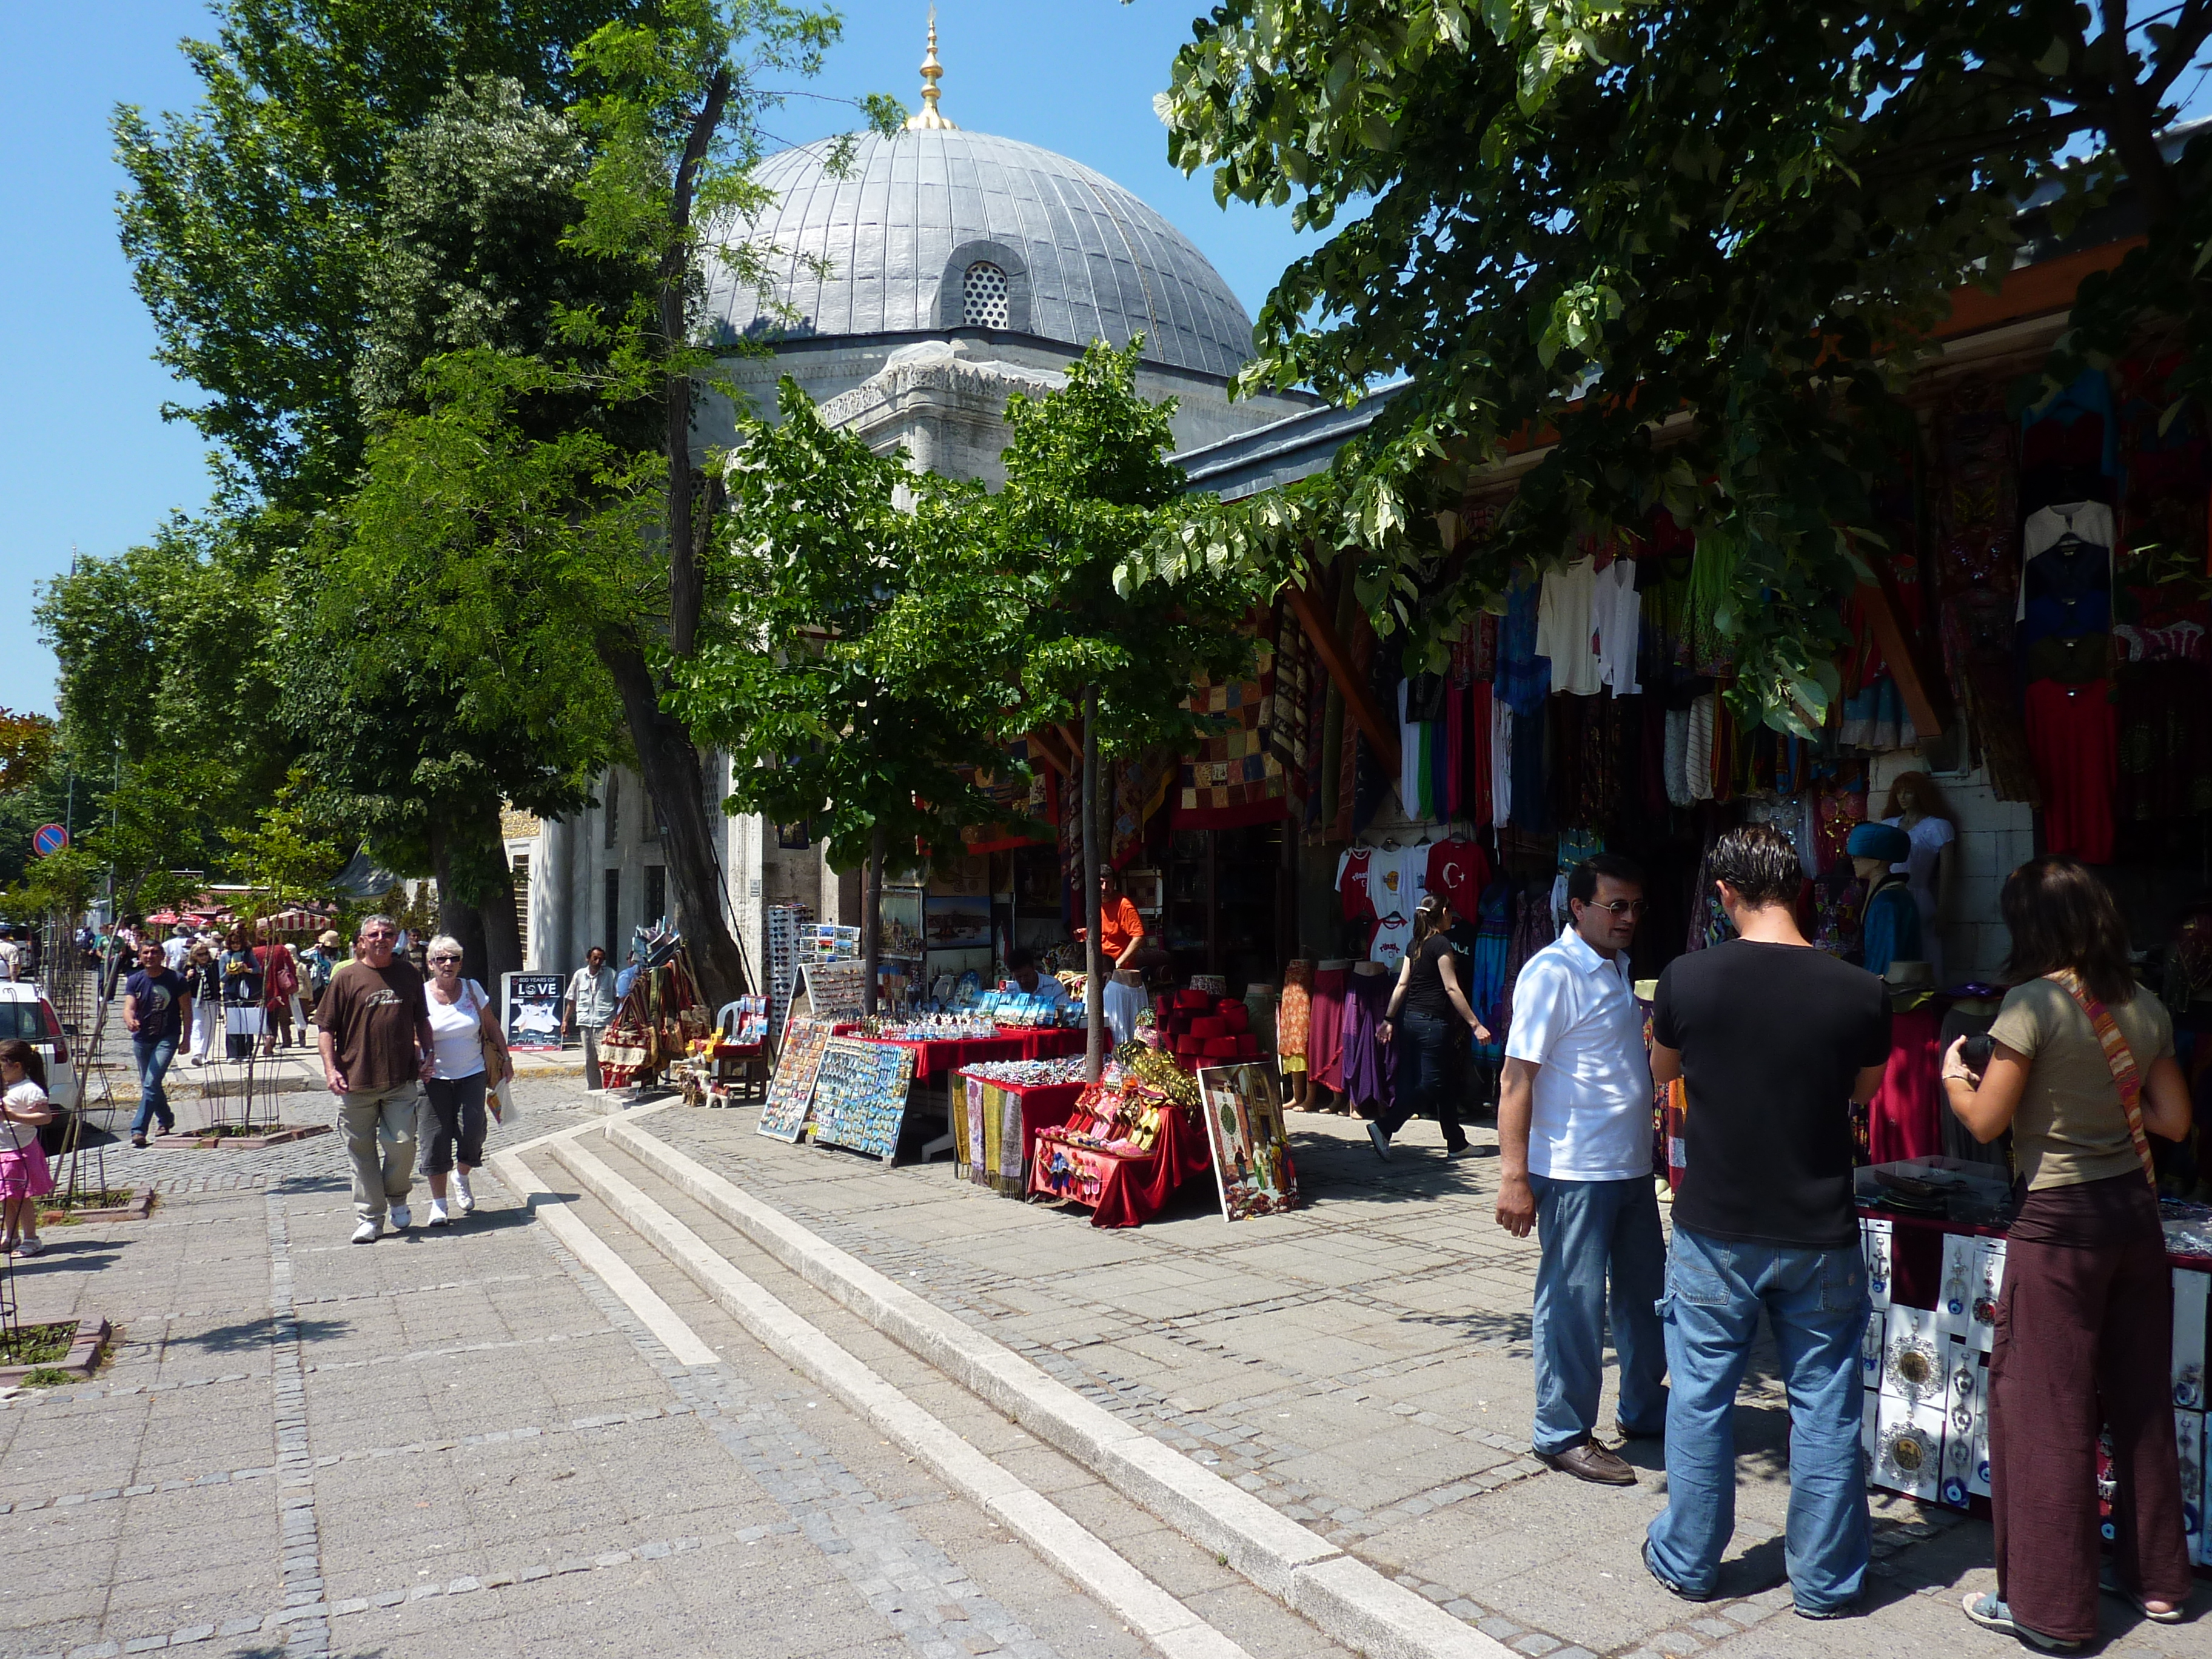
24 1177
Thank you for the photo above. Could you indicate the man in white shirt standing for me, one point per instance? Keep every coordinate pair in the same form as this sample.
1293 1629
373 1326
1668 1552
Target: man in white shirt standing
1574 1136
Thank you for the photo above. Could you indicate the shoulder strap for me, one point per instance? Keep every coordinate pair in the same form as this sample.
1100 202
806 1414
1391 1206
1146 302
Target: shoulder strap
2120 1060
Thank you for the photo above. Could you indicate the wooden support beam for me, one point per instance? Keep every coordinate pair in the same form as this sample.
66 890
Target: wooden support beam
1380 731
1898 647
1046 745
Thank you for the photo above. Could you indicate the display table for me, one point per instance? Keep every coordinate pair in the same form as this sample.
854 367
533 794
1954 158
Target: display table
1935 1282
995 1125
1124 1189
935 1061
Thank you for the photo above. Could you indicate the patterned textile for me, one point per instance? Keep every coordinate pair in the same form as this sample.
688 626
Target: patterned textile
1140 784
1027 790
1977 515
1235 777
1296 665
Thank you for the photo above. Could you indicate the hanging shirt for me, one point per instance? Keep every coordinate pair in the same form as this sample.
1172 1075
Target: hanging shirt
1501 762
1458 870
2084 527
1616 615
1697 752
1563 628
1352 871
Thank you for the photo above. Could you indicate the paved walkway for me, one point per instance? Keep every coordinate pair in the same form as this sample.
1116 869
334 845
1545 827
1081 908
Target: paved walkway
1363 1365
460 1442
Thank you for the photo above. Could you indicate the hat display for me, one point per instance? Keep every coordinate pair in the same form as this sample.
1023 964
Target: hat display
1885 842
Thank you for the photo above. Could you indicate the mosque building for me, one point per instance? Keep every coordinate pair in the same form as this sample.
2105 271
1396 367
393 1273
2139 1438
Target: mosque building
935 275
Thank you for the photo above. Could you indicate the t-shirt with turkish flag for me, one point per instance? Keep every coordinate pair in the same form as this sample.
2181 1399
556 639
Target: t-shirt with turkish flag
1458 871
1352 874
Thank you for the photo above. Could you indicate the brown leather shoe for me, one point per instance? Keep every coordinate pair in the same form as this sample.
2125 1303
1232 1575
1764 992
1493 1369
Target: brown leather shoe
1591 1461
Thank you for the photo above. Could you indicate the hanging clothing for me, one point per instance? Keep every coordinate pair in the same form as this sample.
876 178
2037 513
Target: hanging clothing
1524 678
2065 551
1458 871
2073 736
1486 965
1676 765
1294 1011
1616 615
1501 762
1905 1116
1479 806
1564 635
1698 748
1370 1068
1354 868
1325 1028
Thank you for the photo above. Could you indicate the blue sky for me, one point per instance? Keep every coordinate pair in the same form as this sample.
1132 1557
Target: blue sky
86 459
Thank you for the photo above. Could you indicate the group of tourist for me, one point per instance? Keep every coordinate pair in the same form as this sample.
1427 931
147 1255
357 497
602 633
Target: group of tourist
1774 1040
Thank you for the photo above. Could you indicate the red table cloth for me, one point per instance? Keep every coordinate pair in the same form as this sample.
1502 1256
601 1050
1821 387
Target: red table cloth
1904 1119
1130 1188
934 1061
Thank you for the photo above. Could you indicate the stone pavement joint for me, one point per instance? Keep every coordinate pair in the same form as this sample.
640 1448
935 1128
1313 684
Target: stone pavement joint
1158 1616
1345 1597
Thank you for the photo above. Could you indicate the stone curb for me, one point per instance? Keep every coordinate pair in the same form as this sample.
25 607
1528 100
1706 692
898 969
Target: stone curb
280 1135
140 1206
1088 1560
92 1333
1347 1599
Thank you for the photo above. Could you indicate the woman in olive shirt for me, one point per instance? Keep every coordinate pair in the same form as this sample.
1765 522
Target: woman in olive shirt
2085 1322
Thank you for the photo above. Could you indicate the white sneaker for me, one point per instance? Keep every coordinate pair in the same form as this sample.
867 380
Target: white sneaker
367 1232
437 1216
464 1200
402 1218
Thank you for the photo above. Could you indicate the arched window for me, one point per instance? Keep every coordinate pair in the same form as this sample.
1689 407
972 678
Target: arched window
983 296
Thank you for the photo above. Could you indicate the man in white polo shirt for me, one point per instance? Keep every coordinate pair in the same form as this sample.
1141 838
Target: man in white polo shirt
1574 1137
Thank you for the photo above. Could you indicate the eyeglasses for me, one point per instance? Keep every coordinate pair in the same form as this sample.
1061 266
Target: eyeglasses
1620 907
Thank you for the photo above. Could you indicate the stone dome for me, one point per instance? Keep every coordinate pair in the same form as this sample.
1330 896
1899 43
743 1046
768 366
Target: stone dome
938 229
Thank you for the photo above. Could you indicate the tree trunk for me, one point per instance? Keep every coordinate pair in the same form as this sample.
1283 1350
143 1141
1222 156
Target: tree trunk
458 914
686 583
872 920
1094 988
668 762
502 936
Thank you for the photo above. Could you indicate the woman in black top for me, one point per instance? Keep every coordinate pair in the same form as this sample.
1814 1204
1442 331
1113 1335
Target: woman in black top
242 996
1429 1008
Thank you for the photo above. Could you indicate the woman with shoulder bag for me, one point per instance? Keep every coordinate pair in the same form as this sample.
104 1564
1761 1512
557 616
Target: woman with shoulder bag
465 1035
2081 1070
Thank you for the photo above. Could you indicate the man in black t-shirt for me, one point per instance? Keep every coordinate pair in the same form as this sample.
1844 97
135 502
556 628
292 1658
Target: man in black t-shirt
1775 1040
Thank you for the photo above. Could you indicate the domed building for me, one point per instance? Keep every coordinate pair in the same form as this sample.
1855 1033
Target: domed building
911 293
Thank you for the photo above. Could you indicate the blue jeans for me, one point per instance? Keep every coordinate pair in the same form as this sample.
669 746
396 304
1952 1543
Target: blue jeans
1816 1302
154 1057
1593 1232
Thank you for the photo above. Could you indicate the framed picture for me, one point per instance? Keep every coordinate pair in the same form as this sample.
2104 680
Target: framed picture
1251 1148
957 922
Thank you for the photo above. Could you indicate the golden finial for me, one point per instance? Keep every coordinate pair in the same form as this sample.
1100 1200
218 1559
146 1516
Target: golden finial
931 70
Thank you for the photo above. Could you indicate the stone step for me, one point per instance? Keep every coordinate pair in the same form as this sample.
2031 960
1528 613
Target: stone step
635 1174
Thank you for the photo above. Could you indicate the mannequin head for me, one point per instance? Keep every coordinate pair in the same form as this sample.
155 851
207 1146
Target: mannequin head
1914 796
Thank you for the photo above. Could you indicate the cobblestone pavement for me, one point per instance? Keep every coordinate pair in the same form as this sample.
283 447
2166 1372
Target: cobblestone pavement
1363 1365
457 1441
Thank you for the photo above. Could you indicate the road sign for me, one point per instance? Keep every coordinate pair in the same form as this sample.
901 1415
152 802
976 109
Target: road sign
48 838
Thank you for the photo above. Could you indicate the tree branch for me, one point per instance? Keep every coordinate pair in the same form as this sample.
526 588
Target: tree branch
2130 123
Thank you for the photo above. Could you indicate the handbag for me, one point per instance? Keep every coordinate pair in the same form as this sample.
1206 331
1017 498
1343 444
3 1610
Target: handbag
2120 1060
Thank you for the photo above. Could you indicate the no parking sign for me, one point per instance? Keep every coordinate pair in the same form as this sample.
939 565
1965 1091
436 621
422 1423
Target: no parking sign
48 838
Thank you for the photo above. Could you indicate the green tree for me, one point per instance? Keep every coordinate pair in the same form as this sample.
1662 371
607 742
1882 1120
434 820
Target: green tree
252 223
1088 485
839 668
1702 244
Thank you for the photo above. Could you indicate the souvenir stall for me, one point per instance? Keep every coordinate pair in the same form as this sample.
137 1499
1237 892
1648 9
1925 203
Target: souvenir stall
1933 1234
1126 1143
659 1015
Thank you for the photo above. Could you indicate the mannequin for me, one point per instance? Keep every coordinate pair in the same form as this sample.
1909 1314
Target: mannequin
1916 806
1889 926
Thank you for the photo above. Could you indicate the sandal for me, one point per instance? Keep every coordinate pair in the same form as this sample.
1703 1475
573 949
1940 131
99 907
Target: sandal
2109 1582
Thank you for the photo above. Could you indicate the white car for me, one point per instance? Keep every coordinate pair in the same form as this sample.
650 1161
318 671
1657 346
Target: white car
26 1013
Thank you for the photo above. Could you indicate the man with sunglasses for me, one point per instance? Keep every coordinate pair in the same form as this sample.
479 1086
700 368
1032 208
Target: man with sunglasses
1574 1140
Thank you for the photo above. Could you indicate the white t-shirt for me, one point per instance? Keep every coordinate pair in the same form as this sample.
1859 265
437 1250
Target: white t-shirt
456 1032
1576 1017
1929 837
1563 628
14 1135
176 952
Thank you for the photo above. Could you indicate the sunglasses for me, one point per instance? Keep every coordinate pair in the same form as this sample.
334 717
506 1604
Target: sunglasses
445 958
1619 907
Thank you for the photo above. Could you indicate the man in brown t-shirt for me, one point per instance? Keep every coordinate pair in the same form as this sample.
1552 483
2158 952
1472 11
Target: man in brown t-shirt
376 1048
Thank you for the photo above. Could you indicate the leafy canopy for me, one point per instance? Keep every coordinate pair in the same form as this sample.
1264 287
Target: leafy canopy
1694 249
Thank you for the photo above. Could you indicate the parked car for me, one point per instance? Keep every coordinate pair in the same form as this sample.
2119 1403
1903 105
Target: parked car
26 1013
